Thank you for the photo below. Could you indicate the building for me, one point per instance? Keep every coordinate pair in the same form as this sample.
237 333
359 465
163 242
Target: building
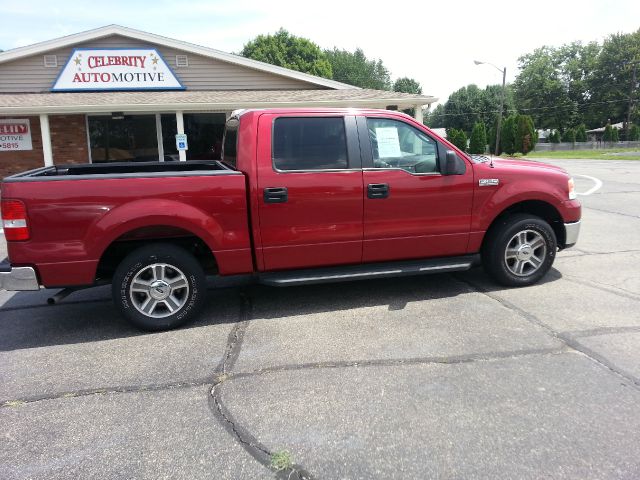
118 94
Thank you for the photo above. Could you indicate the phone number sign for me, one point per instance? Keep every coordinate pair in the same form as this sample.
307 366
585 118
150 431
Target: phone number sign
15 134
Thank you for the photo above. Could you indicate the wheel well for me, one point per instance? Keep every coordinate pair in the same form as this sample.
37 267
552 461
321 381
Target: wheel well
134 239
541 209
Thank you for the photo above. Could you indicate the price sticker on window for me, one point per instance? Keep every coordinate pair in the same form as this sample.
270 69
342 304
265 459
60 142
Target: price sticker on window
388 142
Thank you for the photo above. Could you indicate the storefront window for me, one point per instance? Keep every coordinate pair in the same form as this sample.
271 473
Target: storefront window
204 135
131 138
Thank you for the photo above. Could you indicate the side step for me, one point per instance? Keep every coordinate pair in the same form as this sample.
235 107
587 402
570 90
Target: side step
368 271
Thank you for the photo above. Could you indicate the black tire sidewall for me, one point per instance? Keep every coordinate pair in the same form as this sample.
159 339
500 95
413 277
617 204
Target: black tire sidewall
494 252
160 253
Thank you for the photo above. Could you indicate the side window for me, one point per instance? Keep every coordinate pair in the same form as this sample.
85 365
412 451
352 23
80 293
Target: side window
309 143
396 144
229 145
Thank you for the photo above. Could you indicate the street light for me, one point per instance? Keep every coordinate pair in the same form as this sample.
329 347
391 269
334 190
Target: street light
504 80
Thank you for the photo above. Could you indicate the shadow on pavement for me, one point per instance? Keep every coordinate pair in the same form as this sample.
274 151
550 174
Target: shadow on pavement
90 318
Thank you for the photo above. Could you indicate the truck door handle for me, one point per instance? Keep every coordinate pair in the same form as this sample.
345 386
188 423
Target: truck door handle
276 195
378 190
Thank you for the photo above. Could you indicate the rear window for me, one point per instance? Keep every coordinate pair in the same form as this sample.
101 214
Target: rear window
230 144
309 143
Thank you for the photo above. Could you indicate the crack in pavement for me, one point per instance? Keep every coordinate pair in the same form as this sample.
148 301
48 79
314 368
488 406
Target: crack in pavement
565 338
247 440
605 287
611 211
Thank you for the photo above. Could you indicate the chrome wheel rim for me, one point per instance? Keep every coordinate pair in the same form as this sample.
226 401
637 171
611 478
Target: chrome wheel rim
159 290
525 253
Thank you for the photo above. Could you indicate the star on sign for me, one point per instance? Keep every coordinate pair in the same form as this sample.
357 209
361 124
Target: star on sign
77 60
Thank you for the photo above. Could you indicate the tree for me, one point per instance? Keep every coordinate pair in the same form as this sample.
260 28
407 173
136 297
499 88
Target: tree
435 119
634 133
356 69
608 133
612 77
286 50
569 135
541 92
469 105
478 142
615 137
554 136
407 85
581 133
458 138
508 135
526 135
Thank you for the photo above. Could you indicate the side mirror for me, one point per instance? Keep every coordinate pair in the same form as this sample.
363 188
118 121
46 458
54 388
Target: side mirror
453 165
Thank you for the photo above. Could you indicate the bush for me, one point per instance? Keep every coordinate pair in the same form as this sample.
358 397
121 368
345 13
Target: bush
458 138
508 135
615 136
608 133
526 135
569 136
554 137
634 133
581 133
478 142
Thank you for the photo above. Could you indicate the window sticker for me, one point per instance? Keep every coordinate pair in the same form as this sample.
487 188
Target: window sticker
388 142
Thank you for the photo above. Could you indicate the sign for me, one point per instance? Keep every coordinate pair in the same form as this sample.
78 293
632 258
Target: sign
388 142
181 142
15 135
116 69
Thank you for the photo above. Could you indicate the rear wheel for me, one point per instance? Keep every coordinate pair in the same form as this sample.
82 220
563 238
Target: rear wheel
520 250
159 287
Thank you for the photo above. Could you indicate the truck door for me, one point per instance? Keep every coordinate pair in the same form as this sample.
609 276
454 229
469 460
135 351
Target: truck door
411 210
310 190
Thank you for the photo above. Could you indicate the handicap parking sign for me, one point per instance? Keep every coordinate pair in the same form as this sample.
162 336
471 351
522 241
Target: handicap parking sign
181 142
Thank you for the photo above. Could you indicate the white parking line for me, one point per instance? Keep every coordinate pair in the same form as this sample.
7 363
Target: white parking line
595 188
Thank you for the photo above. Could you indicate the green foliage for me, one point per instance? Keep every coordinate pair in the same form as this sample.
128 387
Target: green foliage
478 142
281 460
470 104
356 69
581 133
569 135
615 136
554 136
608 133
435 118
407 85
526 135
509 134
458 138
286 50
634 133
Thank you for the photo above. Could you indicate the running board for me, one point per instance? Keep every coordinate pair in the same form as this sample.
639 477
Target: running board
368 271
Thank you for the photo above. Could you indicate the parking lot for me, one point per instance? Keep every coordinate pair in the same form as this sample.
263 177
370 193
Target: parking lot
442 376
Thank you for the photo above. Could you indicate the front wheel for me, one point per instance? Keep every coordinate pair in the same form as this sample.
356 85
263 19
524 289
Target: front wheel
159 287
520 250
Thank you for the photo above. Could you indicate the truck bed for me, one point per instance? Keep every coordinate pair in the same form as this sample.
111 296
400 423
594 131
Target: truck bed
123 170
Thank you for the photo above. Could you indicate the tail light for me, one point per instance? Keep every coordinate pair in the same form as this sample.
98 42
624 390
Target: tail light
14 220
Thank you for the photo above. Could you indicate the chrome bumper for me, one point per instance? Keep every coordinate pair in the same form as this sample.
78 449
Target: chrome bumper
572 230
18 278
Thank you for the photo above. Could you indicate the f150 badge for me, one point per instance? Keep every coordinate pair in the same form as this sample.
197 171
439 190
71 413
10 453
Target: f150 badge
488 182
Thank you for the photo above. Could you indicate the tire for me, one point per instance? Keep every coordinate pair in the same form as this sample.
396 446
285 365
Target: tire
519 250
159 287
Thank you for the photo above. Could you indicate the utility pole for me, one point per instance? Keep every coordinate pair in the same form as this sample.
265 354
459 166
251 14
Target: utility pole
504 87
631 99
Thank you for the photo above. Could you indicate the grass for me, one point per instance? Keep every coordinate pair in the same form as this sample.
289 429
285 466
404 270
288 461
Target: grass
281 460
600 154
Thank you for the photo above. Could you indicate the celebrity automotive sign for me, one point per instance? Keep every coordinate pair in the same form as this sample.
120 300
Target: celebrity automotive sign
116 69
15 134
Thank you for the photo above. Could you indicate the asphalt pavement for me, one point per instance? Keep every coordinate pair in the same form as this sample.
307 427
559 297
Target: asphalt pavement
442 376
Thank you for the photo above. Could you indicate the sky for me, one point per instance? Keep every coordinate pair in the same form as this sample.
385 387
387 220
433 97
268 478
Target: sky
432 42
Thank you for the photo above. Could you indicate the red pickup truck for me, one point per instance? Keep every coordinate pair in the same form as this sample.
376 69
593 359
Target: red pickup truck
299 197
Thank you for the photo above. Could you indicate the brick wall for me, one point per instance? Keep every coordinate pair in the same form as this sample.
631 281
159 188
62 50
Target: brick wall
68 142
14 162
69 139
